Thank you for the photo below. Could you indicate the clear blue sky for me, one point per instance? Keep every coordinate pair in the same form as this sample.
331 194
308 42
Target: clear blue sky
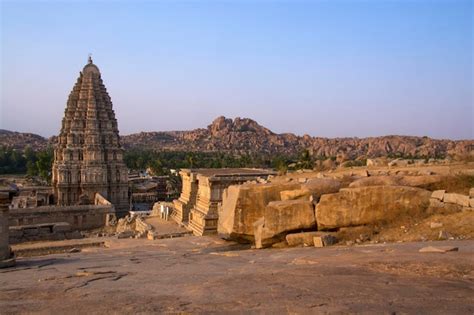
324 68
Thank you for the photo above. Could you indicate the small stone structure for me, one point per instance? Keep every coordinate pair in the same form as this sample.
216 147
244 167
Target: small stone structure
42 232
211 183
6 257
187 199
79 217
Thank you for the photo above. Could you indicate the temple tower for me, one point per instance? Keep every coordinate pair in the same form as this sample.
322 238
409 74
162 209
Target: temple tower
88 157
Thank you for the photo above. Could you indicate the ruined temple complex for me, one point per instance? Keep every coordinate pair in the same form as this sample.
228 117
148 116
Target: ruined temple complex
88 155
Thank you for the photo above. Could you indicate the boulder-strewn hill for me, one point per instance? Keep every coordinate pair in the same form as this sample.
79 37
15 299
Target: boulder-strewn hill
245 135
20 140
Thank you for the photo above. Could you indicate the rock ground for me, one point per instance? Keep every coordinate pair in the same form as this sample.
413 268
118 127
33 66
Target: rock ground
209 275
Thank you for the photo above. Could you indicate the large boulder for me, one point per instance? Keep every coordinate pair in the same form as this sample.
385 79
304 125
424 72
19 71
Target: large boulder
367 205
282 217
243 205
313 188
412 181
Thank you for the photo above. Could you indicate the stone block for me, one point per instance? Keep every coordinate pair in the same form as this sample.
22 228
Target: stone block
368 205
471 202
44 231
471 193
458 199
15 232
438 194
73 235
31 231
61 227
324 240
435 203
303 238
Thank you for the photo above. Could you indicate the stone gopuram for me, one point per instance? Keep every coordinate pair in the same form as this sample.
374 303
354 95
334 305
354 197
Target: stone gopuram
202 193
88 157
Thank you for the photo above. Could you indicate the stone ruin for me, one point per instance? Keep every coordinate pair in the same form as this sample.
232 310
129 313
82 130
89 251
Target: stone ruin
197 207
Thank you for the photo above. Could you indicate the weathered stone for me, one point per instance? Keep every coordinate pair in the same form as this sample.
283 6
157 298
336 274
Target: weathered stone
242 205
324 240
397 180
443 235
458 199
471 193
258 232
438 194
435 225
30 231
204 215
436 203
61 227
73 235
366 205
281 217
438 249
471 202
303 238
313 188
125 234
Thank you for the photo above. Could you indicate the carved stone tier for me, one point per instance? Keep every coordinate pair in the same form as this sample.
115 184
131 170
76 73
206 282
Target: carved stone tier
187 199
88 157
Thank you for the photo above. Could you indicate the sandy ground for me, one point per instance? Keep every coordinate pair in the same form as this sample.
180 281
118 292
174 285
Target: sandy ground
208 275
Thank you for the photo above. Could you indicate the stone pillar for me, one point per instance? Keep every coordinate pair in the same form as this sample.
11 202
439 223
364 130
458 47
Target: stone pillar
6 257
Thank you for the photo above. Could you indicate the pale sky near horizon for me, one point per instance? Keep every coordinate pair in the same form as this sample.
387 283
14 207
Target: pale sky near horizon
323 68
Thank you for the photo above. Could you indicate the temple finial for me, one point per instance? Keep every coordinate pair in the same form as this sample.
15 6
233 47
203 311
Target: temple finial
90 58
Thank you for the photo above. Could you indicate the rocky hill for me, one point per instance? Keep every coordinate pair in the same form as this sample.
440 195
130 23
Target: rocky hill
243 135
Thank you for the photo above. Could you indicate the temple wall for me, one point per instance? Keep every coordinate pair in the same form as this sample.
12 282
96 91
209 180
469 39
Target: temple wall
80 217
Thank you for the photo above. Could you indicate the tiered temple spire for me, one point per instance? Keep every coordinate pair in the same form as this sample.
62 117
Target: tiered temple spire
88 157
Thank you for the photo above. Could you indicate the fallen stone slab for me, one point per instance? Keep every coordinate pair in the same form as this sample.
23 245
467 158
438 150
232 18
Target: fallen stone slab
458 199
367 205
303 238
438 249
438 194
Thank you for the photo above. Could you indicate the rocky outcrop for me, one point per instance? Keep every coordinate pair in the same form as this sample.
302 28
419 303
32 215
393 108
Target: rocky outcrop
243 135
367 205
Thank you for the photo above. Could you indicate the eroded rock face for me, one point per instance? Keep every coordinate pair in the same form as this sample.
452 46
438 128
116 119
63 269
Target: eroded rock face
242 205
366 205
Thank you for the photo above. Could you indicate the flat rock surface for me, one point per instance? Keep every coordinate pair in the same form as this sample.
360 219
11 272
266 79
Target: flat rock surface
163 227
209 275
